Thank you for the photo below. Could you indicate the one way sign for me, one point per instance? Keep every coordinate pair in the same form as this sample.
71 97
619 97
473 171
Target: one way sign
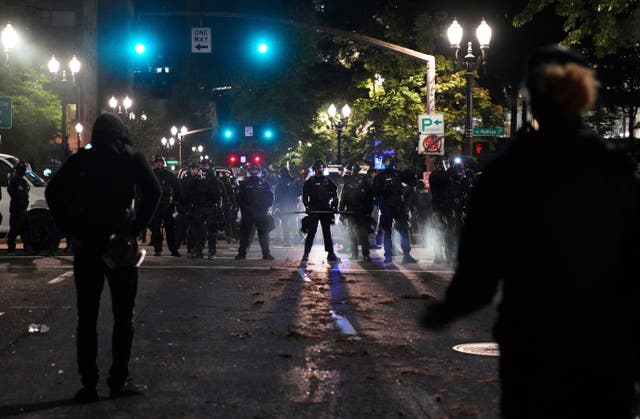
431 124
200 40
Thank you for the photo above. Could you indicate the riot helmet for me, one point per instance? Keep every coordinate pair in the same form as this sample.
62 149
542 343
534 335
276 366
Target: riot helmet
159 158
318 167
21 168
255 170
352 169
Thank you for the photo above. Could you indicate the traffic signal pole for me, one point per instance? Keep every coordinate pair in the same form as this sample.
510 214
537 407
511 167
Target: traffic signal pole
430 60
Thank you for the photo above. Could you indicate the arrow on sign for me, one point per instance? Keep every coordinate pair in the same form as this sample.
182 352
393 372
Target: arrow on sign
199 47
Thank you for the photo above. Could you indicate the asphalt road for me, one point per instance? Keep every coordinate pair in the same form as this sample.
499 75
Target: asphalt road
251 338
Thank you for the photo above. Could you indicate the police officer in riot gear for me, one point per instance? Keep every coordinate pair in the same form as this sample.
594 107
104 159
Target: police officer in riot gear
320 198
287 192
357 198
207 201
184 220
163 217
254 199
228 206
18 189
387 187
440 206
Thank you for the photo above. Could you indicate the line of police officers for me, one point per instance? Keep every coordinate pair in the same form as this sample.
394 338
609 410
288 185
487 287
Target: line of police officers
198 203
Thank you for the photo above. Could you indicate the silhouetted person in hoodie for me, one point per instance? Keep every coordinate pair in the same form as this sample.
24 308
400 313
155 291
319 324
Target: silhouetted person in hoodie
555 222
91 200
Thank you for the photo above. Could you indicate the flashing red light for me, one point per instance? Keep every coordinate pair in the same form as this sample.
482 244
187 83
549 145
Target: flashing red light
257 159
233 159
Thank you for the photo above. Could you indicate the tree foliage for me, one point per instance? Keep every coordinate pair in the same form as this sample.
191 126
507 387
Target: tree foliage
36 116
608 24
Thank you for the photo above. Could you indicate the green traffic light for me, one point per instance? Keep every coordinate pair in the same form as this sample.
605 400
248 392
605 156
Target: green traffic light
263 48
140 49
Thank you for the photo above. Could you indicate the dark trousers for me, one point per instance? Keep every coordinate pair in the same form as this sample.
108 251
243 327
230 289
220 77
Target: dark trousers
90 272
400 216
325 221
163 218
183 224
17 227
247 222
358 234
204 228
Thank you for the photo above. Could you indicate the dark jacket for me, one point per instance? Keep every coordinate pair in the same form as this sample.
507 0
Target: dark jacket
319 193
357 195
18 189
92 192
208 191
254 196
388 188
169 185
556 221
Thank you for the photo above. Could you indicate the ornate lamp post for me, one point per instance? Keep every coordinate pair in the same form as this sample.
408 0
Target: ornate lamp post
338 122
470 63
9 38
67 91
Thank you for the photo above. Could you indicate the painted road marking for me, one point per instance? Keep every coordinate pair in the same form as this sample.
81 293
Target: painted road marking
61 278
249 268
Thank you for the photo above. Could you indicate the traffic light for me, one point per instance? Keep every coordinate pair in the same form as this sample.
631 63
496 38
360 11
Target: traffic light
228 134
267 134
263 47
257 159
233 160
140 48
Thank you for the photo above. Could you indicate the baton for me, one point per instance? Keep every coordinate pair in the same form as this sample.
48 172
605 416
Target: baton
322 212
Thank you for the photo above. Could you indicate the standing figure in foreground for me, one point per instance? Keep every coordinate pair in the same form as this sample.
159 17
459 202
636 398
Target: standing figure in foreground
320 198
387 186
254 199
567 263
91 198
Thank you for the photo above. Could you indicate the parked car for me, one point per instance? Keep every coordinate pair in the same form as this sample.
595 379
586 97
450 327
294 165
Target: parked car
40 222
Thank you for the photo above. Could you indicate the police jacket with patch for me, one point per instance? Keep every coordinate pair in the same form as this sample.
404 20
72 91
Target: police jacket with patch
18 190
91 194
255 196
357 195
319 193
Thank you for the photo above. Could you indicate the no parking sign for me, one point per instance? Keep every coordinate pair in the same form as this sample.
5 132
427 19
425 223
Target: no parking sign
431 144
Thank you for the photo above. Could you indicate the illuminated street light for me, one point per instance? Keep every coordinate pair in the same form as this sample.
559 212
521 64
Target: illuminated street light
338 122
470 63
9 39
79 129
67 92
113 103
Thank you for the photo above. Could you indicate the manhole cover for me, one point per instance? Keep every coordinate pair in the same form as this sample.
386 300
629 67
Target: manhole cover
481 348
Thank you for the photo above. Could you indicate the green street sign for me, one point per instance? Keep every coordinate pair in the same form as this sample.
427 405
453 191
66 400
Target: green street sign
5 113
172 161
488 132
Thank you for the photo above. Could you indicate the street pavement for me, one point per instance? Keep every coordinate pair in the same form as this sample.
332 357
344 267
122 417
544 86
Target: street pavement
251 338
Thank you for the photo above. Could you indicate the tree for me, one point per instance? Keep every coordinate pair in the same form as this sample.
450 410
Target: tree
36 116
608 24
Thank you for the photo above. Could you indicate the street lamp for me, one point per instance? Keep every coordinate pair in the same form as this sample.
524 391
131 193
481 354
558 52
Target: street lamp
338 122
470 63
66 91
126 102
79 129
113 103
9 39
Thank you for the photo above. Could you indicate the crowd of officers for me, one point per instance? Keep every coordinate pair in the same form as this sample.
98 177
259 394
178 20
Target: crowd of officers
201 201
